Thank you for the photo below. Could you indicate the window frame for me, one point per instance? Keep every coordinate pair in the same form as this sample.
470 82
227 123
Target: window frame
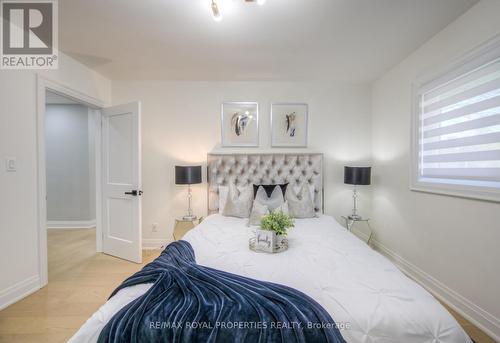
420 86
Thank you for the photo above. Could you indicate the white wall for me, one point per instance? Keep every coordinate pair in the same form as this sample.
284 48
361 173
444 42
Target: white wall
69 179
181 124
450 244
18 204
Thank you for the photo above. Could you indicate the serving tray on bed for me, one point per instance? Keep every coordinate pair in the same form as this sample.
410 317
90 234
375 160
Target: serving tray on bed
277 247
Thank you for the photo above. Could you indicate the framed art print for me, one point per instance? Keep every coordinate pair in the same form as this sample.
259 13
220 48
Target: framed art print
240 124
289 124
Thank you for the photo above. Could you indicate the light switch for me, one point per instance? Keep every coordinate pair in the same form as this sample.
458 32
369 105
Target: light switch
10 164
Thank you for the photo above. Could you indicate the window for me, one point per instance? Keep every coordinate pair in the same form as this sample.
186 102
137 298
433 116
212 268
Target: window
456 128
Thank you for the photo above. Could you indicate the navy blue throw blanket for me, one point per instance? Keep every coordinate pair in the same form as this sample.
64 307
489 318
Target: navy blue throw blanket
192 303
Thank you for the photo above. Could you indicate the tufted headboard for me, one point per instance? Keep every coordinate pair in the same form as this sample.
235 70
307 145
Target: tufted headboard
247 169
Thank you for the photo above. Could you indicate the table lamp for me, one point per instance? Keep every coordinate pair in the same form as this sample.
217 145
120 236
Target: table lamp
356 176
188 175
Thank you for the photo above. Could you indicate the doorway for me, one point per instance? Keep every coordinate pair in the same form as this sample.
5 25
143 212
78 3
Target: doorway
114 174
70 170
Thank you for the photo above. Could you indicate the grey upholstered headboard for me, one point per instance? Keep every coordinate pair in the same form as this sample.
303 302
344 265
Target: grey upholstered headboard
247 169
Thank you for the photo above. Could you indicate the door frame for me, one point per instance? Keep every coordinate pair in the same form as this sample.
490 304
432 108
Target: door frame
45 84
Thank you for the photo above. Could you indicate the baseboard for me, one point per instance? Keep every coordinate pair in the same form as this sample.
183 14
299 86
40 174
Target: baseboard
18 291
71 224
154 243
470 311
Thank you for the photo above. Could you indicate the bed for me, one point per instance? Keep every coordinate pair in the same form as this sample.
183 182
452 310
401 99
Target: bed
368 297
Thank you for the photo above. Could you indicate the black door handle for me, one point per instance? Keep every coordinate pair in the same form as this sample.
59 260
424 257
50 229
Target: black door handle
134 192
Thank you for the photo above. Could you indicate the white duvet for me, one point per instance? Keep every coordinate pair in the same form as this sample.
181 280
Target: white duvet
363 292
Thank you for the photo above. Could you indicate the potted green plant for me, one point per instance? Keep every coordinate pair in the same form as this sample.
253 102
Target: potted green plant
278 223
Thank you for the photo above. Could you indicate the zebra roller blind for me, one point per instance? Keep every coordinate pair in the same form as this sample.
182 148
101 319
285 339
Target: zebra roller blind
459 124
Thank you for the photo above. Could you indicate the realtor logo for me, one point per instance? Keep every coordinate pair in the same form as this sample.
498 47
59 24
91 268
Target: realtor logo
29 34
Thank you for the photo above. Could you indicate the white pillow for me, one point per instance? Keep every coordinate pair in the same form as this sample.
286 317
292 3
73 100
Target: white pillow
301 205
238 203
258 212
297 189
223 193
283 208
274 201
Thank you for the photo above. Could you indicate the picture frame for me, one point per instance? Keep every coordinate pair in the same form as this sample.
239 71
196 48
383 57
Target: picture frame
289 125
240 124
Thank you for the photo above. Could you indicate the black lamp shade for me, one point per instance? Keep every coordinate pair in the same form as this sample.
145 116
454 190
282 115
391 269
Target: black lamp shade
187 175
357 175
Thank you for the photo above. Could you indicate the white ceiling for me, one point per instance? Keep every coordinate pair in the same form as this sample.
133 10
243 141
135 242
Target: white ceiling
348 40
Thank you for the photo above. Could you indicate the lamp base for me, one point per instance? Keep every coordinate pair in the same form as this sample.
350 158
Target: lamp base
354 217
189 217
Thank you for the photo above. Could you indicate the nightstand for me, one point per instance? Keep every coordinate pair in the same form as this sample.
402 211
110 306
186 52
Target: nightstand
182 226
349 223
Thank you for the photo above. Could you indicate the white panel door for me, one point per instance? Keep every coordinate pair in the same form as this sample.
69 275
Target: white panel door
121 213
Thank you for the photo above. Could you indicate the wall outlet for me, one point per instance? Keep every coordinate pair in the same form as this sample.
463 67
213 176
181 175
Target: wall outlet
154 227
10 164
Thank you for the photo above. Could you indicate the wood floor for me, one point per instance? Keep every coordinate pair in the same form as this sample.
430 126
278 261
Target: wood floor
80 281
476 334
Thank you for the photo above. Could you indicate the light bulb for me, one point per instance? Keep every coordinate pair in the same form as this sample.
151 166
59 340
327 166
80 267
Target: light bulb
215 11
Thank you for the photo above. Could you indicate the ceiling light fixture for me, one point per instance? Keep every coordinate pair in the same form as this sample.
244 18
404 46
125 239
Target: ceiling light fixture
215 11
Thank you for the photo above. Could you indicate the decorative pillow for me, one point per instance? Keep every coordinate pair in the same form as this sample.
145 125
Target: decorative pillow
297 189
283 208
223 193
301 205
269 189
274 201
238 203
258 211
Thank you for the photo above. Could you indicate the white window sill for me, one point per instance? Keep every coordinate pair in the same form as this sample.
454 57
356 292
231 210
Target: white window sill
457 190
